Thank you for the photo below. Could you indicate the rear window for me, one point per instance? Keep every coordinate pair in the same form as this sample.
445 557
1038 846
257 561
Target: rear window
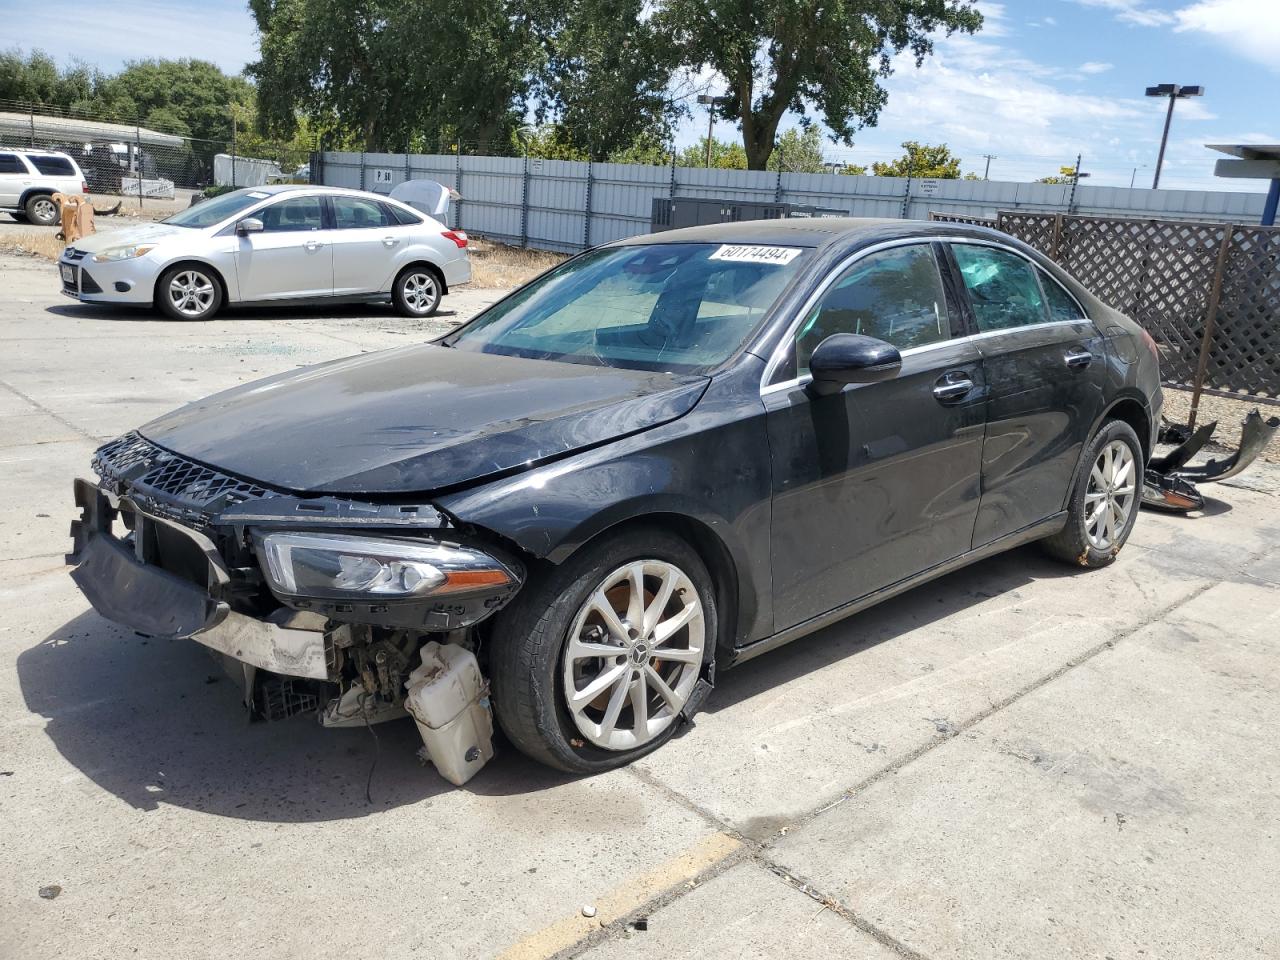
406 218
54 166
11 163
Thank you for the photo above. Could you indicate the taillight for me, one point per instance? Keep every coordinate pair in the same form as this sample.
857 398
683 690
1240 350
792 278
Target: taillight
84 187
457 236
1150 341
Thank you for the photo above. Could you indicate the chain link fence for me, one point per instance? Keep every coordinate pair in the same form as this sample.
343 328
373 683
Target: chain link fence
139 167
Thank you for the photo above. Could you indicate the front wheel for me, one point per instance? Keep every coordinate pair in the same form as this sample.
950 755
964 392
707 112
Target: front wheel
417 292
593 664
189 292
1105 496
42 210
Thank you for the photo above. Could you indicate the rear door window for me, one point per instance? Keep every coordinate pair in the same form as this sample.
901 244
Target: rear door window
1062 306
1003 288
11 163
406 218
54 166
357 213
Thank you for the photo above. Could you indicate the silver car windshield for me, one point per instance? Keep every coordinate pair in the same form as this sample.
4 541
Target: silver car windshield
681 307
210 212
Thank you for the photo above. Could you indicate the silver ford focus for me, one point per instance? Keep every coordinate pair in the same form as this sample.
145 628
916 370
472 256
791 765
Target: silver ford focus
273 245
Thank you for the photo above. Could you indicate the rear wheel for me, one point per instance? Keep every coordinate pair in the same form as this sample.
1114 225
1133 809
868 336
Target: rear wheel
593 665
1105 496
417 292
42 210
189 292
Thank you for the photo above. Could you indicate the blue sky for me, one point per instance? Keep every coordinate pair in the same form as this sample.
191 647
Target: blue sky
1043 81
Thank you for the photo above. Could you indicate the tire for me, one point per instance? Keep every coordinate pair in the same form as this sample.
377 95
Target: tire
42 211
1106 494
417 291
533 663
189 291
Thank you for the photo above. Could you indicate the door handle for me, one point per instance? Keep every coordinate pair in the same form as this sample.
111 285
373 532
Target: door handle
390 241
1077 359
313 244
952 386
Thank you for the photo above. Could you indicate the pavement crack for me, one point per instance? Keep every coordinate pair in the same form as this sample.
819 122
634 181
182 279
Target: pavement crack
49 413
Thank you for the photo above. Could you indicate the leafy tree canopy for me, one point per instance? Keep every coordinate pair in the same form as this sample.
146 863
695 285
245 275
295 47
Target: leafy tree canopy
825 56
1065 174
921 160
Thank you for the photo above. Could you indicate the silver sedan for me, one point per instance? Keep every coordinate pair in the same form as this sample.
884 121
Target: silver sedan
268 245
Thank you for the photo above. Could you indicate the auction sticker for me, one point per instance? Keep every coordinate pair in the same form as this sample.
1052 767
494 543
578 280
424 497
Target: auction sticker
750 253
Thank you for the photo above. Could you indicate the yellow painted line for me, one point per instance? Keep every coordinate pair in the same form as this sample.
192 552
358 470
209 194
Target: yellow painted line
624 898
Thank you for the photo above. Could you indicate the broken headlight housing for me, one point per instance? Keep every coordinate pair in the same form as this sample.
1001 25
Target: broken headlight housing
346 567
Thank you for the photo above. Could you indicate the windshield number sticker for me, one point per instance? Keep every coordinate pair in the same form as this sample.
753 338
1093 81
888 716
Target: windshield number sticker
749 253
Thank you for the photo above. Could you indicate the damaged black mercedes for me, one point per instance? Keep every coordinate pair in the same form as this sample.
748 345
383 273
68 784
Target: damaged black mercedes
661 458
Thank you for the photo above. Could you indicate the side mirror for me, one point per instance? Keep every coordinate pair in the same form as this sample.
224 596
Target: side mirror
852 358
249 225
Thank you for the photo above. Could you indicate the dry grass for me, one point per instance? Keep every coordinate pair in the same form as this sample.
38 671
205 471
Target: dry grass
32 243
1228 412
499 266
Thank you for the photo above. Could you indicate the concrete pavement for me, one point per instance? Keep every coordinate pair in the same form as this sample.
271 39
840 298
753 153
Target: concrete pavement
1019 760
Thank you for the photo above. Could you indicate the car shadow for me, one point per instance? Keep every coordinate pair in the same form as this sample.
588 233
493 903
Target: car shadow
157 722
337 311
918 607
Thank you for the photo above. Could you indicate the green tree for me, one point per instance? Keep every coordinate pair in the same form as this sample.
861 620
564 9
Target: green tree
36 78
388 72
193 98
922 161
605 74
798 151
853 170
799 55
725 155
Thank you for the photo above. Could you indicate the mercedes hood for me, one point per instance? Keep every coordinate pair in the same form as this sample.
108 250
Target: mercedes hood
417 420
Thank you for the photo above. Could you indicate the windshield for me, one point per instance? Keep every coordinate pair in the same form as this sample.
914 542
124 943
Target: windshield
681 307
210 212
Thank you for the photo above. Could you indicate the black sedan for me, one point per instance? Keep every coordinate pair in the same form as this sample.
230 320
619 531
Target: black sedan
659 459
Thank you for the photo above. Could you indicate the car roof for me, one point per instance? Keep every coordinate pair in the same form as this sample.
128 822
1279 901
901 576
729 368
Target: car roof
813 231
33 152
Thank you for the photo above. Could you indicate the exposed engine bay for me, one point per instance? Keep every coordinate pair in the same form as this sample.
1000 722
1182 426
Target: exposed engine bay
356 613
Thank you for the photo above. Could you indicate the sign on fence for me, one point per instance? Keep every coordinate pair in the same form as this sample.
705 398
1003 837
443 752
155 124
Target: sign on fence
151 189
383 175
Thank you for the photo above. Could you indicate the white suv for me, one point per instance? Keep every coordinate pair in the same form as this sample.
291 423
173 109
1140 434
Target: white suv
30 178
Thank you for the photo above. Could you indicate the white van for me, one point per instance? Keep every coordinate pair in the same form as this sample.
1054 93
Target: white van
30 178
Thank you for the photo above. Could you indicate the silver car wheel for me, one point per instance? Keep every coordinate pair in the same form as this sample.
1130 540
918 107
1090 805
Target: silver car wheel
634 654
1110 496
191 293
419 290
45 210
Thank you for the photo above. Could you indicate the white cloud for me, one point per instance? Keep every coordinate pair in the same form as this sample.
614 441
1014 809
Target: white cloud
1093 66
1249 27
1132 11
1050 22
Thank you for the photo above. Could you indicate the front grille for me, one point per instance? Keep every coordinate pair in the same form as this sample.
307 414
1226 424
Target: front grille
170 484
72 254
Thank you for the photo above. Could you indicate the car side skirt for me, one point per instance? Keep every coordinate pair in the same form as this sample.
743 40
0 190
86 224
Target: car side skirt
1036 531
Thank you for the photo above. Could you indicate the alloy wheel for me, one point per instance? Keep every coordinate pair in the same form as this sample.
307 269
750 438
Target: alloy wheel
1111 495
191 293
634 653
45 210
419 292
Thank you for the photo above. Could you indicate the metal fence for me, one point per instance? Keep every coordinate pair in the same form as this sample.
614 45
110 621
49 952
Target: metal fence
1208 293
569 205
137 163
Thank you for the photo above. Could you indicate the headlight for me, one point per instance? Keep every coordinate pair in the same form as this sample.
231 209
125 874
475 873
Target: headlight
123 253
342 567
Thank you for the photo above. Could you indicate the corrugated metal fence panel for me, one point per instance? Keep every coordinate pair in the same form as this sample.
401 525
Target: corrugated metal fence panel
555 195
622 198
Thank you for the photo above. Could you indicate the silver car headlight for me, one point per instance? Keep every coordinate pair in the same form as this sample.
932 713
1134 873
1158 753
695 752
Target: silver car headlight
129 252
344 567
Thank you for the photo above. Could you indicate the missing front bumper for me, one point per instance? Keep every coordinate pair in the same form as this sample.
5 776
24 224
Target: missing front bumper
141 596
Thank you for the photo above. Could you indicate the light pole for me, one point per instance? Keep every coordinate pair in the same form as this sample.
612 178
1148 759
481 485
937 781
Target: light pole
711 104
1134 176
1174 92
